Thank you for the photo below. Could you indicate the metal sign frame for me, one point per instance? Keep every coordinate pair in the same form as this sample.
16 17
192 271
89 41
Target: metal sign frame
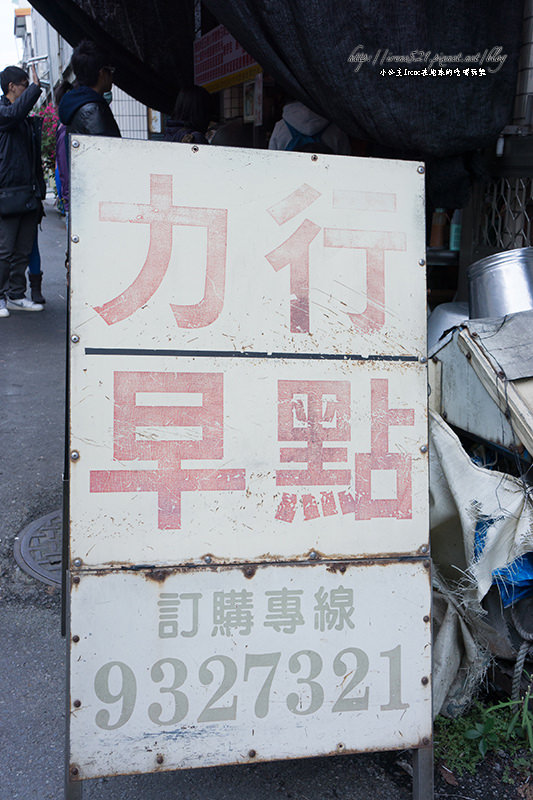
243 432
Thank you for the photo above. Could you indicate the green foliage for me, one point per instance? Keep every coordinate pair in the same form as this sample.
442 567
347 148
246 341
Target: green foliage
486 733
520 718
507 776
462 743
453 747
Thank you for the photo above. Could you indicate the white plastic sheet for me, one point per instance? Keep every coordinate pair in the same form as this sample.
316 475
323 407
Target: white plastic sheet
463 494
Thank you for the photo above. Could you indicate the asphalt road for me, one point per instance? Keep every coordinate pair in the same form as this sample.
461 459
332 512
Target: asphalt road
33 654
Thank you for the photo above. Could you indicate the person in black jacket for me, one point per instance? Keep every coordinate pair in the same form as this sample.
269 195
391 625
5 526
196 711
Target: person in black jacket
21 168
85 109
192 114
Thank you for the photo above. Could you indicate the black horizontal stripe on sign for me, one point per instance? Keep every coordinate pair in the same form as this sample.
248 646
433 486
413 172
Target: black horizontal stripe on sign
125 351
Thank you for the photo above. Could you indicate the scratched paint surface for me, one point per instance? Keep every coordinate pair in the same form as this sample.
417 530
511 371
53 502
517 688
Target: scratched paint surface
231 249
246 388
246 460
220 668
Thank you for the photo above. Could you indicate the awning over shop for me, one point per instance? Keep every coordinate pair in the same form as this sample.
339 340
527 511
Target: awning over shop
306 47
150 42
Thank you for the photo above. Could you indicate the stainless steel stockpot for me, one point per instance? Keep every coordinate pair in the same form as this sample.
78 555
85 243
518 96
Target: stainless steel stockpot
501 284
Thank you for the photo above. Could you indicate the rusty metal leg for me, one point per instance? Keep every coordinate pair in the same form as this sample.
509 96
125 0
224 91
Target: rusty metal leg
73 790
423 773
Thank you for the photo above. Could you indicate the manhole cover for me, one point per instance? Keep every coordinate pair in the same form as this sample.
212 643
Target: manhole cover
38 548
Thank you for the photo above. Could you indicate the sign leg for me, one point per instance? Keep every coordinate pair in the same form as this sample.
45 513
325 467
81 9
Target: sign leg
73 789
423 773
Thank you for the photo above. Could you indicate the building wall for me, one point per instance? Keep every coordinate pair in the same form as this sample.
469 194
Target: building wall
47 42
131 116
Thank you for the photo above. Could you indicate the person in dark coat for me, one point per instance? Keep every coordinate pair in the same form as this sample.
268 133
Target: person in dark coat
61 148
20 166
35 274
85 109
192 114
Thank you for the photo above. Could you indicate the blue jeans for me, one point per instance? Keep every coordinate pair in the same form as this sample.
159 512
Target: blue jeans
34 264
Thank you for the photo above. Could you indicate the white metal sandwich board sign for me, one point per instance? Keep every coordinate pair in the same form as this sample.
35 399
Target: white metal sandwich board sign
247 417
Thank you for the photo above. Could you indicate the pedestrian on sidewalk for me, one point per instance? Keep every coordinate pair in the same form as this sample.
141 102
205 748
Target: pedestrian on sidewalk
35 275
62 174
191 117
22 186
85 109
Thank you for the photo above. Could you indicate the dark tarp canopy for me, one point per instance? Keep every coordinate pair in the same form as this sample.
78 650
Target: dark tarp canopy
442 120
306 44
150 43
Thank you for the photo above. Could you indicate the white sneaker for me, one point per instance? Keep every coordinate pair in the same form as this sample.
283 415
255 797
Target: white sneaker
23 304
3 308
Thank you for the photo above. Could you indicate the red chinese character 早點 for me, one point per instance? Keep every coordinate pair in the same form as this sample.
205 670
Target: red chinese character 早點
161 215
314 412
167 433
379 459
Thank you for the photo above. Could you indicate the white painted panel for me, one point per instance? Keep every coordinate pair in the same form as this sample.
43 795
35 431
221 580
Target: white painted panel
280 457
209 248
222 668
